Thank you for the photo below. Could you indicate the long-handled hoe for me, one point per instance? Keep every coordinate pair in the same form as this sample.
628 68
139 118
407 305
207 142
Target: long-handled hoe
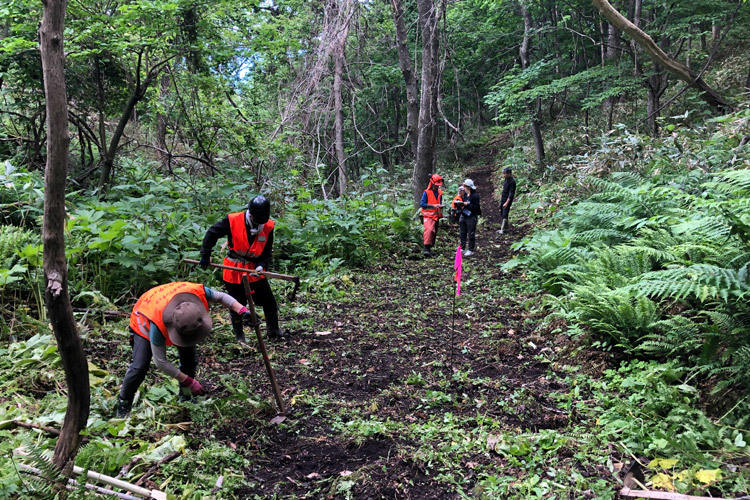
256 323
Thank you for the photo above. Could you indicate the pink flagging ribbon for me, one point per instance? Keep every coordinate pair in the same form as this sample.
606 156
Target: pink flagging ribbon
457 266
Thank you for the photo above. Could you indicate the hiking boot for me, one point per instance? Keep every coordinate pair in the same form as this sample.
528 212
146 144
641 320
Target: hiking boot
123 407
239 333
275 334
427 250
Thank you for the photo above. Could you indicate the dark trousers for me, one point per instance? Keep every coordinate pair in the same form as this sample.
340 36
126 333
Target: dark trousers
262 296
142 360
467 228
504 211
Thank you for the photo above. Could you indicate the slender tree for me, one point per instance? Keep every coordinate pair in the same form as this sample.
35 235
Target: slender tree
339 57
430 12
660 57
536 129
55 265
410 80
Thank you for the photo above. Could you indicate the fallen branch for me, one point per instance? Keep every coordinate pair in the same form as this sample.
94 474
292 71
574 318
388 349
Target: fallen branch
111 314
27 425
126 468
156 466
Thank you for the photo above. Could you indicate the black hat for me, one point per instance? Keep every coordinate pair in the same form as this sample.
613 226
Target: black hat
260 209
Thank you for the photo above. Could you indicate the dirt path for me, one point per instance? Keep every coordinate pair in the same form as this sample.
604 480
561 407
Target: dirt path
370 385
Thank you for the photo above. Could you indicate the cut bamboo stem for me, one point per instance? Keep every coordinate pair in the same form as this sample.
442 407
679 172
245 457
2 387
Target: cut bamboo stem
73 484
662 495
118 483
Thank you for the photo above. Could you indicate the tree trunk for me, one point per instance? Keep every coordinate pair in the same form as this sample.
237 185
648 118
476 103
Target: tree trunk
114 142
161 127
410 81
429 15
55 266
339 53
536 129
660 57
140 86
652 105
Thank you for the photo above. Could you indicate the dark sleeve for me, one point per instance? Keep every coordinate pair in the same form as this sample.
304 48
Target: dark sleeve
265 258
512 190
218 230
474 204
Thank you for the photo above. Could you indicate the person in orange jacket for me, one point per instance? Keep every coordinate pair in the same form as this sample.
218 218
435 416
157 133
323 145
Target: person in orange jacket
250 240
432 206
458 203
171 314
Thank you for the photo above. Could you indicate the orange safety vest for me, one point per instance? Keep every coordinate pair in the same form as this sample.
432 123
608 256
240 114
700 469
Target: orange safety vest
433 213
150 306
242 253
457 198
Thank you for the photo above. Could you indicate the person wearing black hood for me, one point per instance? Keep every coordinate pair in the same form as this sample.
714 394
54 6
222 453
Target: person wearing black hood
250 242
506 199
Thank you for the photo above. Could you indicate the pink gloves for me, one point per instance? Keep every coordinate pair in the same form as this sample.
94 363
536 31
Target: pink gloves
195 387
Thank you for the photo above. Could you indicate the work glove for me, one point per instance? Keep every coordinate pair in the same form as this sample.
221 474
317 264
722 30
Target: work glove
247 317
195 387
259 269
205 261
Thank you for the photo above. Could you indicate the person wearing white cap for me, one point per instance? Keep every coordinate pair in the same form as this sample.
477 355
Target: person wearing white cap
467 223
171 314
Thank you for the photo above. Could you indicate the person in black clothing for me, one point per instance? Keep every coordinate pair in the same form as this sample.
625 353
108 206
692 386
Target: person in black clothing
250 242
506 199
467 223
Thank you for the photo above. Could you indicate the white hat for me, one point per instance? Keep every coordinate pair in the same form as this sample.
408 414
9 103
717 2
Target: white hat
470 183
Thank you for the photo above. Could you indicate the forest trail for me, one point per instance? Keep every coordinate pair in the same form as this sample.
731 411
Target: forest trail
368 383
367 377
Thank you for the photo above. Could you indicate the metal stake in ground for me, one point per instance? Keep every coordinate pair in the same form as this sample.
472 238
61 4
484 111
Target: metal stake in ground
256 323
457 266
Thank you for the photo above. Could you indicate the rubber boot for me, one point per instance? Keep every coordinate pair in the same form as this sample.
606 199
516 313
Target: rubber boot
502 226
273 330
427 250
123 407
239 333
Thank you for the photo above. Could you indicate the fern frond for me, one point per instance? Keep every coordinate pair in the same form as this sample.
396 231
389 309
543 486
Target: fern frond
628 179
712 228
700 281
610 236
647 252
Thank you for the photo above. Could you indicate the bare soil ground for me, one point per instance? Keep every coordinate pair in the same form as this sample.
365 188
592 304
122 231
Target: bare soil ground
361 373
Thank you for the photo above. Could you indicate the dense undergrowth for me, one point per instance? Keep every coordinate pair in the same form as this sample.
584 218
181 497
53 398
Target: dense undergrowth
136 236
646 255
